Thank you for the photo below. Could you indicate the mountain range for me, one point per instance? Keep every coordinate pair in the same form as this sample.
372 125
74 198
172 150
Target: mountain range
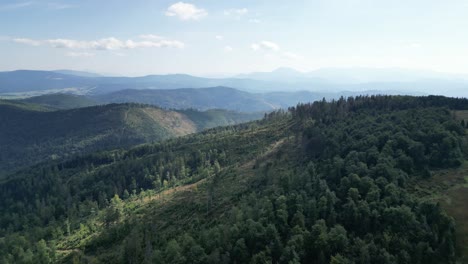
26 82
192 98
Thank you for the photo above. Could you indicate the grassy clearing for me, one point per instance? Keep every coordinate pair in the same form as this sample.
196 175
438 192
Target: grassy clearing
450 189
461 115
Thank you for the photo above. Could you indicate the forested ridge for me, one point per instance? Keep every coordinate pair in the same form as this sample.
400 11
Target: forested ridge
325 182
30 133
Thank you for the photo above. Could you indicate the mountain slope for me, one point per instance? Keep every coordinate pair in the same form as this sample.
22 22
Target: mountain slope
225 98
78 73
323 183
26 80
28 136
200 98
60 101
26 83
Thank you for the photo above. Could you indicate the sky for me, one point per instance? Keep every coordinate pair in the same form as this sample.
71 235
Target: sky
215 37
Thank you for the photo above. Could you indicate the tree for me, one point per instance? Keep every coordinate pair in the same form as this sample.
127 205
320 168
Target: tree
173 253
42 253
240 253
114 211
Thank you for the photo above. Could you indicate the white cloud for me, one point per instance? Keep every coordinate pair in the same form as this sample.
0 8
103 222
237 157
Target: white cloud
228 49
42 5
265 45
27 41
79 54
219 37
292 56
255 21
236 12
15 6
106 43
185 11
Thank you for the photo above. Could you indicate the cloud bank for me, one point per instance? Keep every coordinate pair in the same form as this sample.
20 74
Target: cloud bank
146 41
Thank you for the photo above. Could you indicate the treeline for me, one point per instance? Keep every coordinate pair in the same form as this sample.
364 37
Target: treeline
321 110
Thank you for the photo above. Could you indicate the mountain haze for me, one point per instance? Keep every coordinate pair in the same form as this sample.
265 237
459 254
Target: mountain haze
325 80
200 98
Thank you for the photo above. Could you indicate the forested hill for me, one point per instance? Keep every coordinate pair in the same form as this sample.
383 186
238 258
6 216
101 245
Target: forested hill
326 182
197 98
60 101
30 133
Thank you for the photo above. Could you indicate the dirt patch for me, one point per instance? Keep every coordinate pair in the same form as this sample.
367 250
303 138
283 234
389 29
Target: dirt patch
164 194
271 149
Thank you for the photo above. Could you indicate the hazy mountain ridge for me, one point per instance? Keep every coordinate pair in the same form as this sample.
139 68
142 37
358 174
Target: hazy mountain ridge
60 101
28 136
79 73
196 98
325 80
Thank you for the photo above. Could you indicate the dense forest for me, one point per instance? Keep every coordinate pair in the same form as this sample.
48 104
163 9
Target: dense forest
324 182
32 133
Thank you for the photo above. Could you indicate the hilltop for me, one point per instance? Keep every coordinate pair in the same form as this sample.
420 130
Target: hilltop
60 101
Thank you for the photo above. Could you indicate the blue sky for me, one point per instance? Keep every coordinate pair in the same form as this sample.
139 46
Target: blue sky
217 37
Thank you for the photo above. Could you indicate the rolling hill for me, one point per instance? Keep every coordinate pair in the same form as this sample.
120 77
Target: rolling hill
30 133
224 98
325 182
60 101
200 98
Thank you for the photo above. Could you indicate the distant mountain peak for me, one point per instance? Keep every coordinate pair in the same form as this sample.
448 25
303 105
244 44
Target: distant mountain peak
78 73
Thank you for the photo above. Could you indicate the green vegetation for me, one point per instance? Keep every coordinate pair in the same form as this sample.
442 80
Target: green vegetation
22 105
197 98
60 101
328 182
30 134
449 187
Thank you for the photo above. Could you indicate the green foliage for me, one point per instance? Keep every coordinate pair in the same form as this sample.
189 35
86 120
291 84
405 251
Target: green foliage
323 183
60 101
28 136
